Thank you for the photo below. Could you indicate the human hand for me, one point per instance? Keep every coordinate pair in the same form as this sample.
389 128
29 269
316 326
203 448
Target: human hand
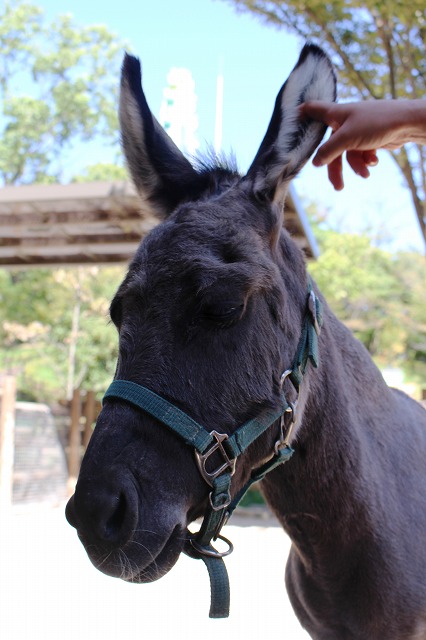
362 127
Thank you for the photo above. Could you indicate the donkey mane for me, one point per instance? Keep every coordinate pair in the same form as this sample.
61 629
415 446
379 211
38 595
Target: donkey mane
209 161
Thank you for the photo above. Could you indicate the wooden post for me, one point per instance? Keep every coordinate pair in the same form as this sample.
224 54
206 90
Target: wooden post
89 415
74 453
7 440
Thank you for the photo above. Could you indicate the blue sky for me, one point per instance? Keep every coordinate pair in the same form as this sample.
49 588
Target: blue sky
205 35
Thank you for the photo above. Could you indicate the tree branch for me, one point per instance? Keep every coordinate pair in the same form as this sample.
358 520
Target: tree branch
403 162
385 33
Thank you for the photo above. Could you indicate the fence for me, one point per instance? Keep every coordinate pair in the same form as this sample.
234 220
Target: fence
79 418
84 409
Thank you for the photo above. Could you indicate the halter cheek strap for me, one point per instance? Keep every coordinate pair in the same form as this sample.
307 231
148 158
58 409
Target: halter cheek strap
227 449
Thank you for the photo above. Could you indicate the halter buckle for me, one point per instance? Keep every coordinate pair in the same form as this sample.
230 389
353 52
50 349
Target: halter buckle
201 458
284 440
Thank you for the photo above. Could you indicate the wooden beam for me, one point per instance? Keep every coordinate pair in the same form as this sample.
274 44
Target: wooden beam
91 223
66 250
70 229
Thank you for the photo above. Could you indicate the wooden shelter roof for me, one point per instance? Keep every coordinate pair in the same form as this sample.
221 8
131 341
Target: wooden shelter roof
91 223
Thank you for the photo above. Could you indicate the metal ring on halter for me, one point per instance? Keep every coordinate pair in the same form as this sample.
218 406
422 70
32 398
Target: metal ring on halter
213 553
284 376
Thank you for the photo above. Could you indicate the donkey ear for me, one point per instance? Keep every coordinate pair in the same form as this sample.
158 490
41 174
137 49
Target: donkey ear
289 140
161 173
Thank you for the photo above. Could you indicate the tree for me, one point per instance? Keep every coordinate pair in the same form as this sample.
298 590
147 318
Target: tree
58 87
102 171
54 329
378 295
379 50
410 271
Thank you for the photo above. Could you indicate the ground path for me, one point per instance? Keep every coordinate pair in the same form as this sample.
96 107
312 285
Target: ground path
50 591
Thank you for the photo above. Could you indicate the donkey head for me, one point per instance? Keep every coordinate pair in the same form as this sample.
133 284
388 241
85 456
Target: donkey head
208 316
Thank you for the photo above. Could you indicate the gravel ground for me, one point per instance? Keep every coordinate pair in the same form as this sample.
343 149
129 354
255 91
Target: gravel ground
50 591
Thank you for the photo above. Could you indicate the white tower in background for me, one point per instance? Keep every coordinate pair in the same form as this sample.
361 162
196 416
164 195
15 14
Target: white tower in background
178 111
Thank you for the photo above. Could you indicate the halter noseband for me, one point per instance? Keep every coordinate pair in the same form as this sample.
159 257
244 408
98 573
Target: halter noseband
228 449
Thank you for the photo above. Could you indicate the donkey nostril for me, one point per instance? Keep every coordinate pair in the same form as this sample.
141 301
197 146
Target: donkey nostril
105 511
115 524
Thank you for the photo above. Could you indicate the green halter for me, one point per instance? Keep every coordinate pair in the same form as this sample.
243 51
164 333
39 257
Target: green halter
228 448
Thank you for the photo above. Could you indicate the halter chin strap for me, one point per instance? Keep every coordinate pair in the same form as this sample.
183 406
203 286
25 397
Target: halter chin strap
223 450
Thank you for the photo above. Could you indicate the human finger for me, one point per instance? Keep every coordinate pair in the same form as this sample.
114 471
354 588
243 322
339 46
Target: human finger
334 147
357 162
370 157
335 173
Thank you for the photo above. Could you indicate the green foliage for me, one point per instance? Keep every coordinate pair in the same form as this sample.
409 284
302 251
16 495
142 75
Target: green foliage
42 345
102 171
410 270
378 295
253 497
379 51
58 84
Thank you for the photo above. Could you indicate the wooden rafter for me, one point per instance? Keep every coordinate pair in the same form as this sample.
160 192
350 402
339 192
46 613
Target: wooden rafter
92 223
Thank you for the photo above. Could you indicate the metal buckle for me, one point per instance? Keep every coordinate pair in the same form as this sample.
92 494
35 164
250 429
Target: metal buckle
284 439
202 458
221 506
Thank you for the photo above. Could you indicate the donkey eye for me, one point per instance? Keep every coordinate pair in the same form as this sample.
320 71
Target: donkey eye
222 313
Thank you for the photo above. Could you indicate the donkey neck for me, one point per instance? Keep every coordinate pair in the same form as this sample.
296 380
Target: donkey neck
332 443
345 504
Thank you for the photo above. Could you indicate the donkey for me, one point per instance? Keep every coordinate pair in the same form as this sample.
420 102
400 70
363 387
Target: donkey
220 326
